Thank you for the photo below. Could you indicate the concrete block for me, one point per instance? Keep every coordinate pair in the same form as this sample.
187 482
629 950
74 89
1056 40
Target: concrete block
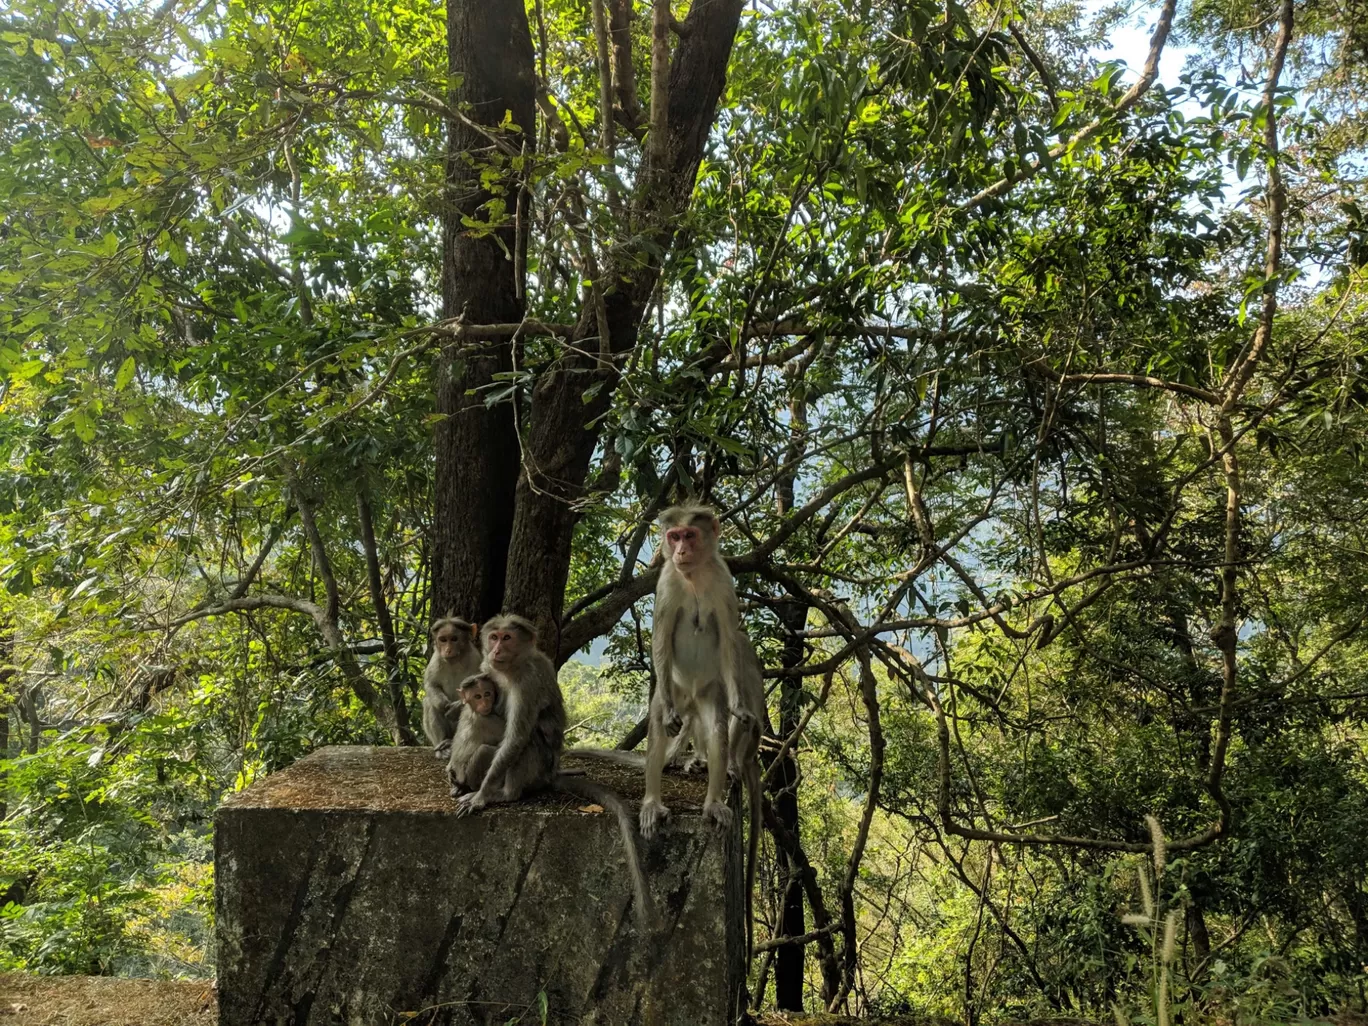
347 892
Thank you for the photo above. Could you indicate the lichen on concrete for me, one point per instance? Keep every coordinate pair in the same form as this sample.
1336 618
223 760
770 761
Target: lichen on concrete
349 892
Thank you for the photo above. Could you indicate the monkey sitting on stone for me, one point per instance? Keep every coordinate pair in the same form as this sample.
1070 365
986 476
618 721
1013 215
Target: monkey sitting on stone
479 729
455 656
527 759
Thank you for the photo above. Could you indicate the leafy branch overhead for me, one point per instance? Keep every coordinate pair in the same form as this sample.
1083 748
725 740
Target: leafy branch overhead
1026 375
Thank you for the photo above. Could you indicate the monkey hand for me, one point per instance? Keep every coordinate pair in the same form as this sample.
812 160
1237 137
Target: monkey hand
469 803
443 750
716 813
672 720
653 814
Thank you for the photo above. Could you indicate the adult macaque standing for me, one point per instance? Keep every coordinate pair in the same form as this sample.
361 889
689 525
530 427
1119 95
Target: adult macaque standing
478 733
528 757
455 656
702 661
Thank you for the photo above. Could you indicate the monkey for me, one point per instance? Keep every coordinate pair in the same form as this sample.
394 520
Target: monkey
455 656
528 756
708 679
534 713
478 733
693 569
699 659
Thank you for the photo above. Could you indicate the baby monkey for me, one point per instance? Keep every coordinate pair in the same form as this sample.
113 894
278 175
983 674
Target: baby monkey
455 657
478 733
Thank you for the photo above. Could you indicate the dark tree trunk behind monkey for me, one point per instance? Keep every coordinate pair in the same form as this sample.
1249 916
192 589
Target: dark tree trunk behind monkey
789 961
502 542
490 48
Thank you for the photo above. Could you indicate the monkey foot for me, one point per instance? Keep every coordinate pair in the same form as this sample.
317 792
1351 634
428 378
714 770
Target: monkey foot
718 814
653 814
443 751
468 803
694 764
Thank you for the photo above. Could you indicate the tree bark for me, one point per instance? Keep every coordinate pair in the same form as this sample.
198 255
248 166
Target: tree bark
489 49
790 960
6 680
394 669
35 726
563 430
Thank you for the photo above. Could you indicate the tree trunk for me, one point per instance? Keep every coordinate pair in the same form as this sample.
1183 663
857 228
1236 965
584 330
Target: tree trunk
489 50
563 430
6 681
394 669
35 726
789 967
790 960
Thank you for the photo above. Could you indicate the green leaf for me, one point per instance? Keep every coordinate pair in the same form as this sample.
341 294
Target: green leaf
125 374
83 425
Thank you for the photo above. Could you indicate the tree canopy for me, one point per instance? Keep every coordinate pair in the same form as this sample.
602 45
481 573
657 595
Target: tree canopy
1029 385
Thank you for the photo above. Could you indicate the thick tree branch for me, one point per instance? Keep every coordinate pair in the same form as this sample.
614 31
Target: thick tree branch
600 618
624 74
807 938
658 139
1143 380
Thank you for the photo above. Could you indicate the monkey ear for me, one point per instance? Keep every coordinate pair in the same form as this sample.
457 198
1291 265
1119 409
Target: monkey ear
716 527
474 632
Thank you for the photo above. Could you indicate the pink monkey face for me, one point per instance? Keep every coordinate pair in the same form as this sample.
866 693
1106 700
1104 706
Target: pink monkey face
687 546
451 641
503 646
479 698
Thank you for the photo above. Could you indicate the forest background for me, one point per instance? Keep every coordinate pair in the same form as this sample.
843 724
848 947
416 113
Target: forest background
1031 389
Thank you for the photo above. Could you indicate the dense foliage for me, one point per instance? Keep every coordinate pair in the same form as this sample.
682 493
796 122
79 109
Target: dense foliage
1032 388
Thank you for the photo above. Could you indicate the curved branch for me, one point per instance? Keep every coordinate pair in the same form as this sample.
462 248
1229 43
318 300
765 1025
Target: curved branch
1132 96
1143 380
332 638
240 589
909 667
1243 370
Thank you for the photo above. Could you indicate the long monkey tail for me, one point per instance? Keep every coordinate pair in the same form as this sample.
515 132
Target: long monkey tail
585 788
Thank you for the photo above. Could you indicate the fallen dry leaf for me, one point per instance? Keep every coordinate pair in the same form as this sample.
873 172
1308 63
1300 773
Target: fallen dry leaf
596 809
